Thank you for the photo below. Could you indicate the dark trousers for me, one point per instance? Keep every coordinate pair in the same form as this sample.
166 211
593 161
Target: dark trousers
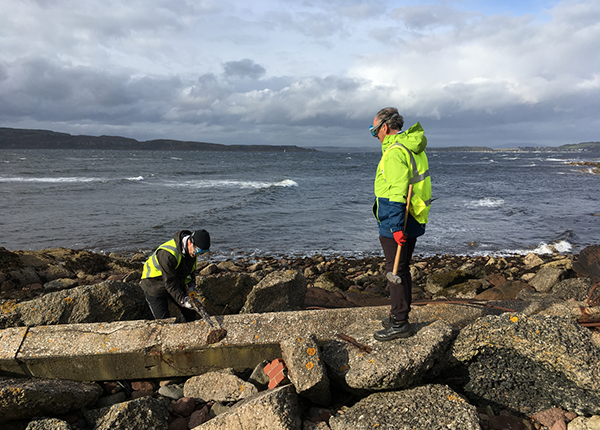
160 308
400 294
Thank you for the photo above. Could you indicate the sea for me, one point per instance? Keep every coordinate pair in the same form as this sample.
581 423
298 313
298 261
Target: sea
291 204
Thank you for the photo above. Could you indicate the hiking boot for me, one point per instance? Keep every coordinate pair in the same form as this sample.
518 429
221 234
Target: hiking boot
386 322
396 329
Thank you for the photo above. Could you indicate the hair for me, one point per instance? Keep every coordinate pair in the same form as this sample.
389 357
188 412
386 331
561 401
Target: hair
391 117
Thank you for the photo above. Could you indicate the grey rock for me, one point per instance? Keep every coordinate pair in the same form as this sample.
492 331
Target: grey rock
276 409
222 386
530 363
104 302
225 293
258 376
277 292
60 284
145 413
423 408
306 370
48 424
111 399
332 281
391 365
444 279
576 288
546 278
28 397
174 391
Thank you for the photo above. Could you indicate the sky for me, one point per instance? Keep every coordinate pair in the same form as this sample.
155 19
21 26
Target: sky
308 73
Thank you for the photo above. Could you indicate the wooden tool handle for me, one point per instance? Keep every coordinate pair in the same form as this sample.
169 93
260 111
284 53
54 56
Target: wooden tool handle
397 259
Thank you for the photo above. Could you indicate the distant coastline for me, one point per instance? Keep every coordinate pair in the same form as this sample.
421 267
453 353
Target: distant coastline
16 138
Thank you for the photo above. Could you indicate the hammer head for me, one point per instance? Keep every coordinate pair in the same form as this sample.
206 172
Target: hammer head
394 279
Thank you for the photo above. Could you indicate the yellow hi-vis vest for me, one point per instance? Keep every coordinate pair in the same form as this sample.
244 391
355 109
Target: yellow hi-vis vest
151 266
421 199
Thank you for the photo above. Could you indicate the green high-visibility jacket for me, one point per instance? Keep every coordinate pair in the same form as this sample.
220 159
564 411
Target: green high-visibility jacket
403 162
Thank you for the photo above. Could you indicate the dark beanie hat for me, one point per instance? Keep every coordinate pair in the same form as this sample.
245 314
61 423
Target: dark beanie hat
201 239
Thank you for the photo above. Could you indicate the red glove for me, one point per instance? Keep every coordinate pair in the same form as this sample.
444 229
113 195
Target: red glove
400 237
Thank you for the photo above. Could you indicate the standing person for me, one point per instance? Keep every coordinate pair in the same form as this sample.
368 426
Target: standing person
168 274
403 162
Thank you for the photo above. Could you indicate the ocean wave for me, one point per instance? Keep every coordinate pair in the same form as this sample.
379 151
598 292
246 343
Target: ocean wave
137 178
226 183
52 180
487 202
560 246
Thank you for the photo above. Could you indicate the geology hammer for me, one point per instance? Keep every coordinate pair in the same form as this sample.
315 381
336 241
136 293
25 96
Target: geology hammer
391 276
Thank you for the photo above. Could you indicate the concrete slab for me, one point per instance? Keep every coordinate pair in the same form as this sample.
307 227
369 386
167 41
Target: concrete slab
10 343
152 349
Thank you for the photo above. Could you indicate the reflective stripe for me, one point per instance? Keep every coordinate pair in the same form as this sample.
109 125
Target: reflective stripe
152 267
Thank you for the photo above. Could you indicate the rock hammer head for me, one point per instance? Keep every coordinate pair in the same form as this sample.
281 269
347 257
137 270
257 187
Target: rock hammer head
394 279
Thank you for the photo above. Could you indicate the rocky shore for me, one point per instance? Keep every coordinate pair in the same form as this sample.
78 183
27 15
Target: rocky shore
537 368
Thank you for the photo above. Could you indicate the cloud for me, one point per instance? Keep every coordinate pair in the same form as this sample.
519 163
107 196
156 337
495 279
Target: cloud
300 72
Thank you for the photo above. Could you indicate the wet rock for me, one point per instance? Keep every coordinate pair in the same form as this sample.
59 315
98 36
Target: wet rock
278 291
28 397
391 365
530 363
276 409
222 386
546 278
146 413
105 302
306 369
588 263
422 408
224 294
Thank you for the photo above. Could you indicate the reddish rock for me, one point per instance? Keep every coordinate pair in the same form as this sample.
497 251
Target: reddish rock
588 263
198 417
495 279
184 406
178 424
143 386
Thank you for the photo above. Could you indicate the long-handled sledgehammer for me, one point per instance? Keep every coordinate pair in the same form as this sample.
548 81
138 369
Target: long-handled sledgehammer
392 276
215 335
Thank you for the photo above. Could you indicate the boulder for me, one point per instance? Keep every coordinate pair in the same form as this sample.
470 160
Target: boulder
318 297
507 290
465 290
48 424
107 301
401 363
145 413
276 409
575 288
306 369
29 397
423 408
588 263
530 363
224 294
532 260
332 281
546 278
443 279
277 292
60 284
222 386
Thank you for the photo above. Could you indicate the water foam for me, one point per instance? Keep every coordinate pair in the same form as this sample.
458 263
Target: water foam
487 202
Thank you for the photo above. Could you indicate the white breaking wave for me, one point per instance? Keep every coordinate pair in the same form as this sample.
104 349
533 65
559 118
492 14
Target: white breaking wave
51 180
225 183
487 202
137 178
560 246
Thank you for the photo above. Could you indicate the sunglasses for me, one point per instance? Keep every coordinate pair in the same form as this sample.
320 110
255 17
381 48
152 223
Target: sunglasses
198 251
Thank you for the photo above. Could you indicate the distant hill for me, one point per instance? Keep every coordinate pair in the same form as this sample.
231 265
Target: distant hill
15 138
588 146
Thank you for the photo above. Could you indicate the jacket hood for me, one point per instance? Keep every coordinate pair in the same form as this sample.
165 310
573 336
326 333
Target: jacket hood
179 237
413 138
